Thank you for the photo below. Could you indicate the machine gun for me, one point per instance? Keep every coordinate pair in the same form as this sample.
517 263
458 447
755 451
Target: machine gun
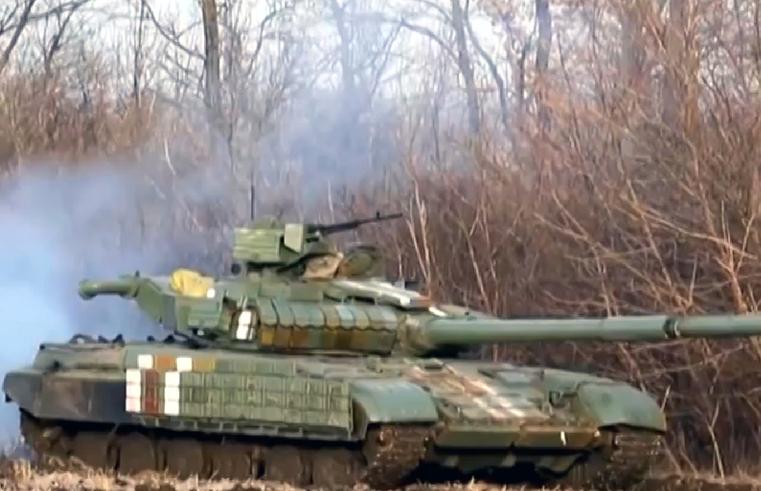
324 230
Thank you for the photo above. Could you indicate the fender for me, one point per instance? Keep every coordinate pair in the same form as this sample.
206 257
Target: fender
391 401
611 403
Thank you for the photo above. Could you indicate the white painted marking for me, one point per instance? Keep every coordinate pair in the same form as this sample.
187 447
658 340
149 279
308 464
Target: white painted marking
242 332
211 293
480 402
184 364
172 408
503 402
563 439
494 412
172 379
437 312
483 386
145 362
171 394
134 391
133 376
132 405
244 319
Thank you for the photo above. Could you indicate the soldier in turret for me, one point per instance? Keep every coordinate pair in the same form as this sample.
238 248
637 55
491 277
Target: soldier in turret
323 260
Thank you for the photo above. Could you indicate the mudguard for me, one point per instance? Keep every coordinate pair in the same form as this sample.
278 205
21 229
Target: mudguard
21 387
620 404
69 397
393 401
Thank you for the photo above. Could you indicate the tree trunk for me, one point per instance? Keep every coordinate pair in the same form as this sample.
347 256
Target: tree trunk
348 75
22 23
680 108
212 88
137 60
632 61
499 81
635 92
466 67
544 43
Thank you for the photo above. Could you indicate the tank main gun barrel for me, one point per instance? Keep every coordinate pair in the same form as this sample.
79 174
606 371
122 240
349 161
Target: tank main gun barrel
652 328
126 287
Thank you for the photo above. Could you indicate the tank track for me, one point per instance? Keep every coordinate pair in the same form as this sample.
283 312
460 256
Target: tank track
621 464
393 451
386 459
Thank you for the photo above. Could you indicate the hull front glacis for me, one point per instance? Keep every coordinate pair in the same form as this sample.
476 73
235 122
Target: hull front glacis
219 413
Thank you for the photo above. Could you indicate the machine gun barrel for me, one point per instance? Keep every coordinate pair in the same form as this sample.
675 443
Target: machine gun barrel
350 225
453 332
126 287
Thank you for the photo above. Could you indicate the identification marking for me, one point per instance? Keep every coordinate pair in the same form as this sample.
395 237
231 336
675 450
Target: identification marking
145 362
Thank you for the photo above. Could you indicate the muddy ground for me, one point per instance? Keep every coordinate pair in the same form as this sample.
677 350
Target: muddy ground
19 474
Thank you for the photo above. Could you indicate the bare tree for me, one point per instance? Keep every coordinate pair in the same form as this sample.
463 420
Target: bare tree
634 18
18 18
14 22
62 20
544 43
138 61
212 85
466 66
682 63
491 64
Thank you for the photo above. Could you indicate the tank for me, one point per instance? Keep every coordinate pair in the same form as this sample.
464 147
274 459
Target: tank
306 364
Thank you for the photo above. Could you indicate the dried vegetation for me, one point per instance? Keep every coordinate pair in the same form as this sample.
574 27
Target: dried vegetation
616 170
21 476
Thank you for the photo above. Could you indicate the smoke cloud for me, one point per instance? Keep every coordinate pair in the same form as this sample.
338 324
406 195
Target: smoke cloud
58 228
62 223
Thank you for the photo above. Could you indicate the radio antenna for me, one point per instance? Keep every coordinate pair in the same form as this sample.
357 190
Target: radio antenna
252 196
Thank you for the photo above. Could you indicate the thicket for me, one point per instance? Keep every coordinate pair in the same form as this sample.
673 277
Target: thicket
622 178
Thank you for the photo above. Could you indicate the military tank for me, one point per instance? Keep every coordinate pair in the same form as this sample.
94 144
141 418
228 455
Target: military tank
307 365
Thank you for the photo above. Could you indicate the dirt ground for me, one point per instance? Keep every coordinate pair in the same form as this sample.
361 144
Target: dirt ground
20 475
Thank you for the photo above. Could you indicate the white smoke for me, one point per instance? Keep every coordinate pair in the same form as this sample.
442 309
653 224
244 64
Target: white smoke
58 228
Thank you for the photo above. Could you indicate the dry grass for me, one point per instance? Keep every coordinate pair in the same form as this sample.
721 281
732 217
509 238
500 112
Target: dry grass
20 475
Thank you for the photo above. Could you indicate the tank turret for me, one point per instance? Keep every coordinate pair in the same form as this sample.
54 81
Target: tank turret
280 274
375 316
293 290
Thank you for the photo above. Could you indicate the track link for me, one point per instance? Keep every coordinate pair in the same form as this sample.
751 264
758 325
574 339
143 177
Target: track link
392 453
621 464
389 455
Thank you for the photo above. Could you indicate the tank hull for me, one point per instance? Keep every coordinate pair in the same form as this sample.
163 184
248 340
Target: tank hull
128 407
